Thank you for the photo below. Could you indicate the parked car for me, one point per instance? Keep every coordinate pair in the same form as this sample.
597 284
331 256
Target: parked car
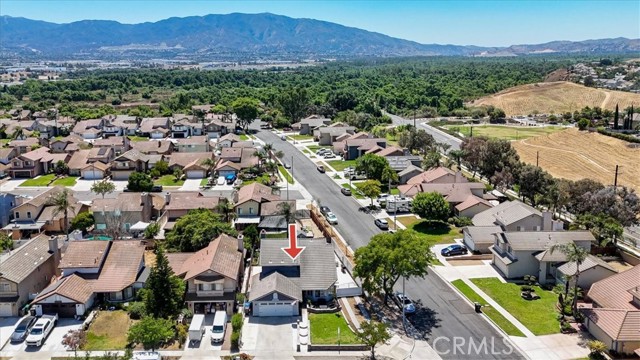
41 330
358 176
382 198
331 218
22 330
324 210
231 178
403 301
330 156
345 191
221 180
287 165
322 151
156 188
382 224
321 168
283 138
455 249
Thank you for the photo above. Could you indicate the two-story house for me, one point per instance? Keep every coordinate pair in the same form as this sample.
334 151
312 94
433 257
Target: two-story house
119 144
91 164
119 125
191 163
129 162
91 270
156 147
126 209
309 124
359 144
328 135
30 164
227 140
192 144
184 126
248 202
89 129
25 272
284 284
23 146
216 129
67 144
155 128
213 274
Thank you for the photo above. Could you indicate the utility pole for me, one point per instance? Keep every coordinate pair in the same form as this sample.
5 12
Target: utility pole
414 119
615 180
404 317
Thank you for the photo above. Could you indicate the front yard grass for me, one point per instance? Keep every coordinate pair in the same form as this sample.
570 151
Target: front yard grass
436 234
340 165
43 180
324 329
66 181
301 137
314 148
394 191
108 331
169 180
407 221
285 174
539 316
204 181
138 138
278 235
492 313
355 192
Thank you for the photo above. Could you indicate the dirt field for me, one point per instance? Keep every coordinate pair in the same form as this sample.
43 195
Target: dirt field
572 154
556 97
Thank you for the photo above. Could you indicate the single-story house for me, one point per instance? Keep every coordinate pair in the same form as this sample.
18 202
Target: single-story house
592 269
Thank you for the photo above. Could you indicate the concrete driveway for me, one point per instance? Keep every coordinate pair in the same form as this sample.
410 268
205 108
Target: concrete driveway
11 184
270 337
6 329
53 343
191 185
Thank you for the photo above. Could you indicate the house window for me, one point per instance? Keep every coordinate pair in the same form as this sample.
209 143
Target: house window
5 288
28 163
205 287
28 214
17 215
218 287
519 228
239 211
250 211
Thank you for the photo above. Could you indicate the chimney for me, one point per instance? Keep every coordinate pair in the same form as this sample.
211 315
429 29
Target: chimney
547 221
167 197
147 206
240 242
53 244
53 249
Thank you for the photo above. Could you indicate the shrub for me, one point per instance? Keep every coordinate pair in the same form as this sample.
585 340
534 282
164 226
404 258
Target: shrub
136 310
460 221
240 297
235 340
525 288
621 136
236 322
182 332
187 313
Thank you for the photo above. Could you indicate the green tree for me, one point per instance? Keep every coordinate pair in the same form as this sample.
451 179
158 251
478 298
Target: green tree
372 333
82 221
583 124
287 210
162 167
103 187
151 332
389 256
389 175
473 150
164 291
209 163
431 160
62 203
152 230
139 182
604 228
18 133
431 206
61 168
616 119
246 110
457 156
227 209
195 230
5 242
575 254
596 348
533 181
370 189
498 155
294 102
251 237
372 165
177 174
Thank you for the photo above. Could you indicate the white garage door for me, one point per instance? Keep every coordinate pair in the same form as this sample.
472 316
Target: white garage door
195 174
275 309
92 174
6 310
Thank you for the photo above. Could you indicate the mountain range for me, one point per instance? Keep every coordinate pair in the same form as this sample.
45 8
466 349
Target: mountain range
243 36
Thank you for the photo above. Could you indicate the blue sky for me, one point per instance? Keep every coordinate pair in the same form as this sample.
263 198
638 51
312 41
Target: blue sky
486 23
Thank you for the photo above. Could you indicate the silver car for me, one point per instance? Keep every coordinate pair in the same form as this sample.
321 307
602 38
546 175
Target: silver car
23 328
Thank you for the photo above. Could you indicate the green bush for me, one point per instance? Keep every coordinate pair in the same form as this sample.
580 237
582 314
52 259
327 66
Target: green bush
236 322
187 313
136 310
460 221
621 136
235 339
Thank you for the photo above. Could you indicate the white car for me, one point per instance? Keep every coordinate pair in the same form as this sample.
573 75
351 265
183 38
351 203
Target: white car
332 218
330 156
221 180
41 330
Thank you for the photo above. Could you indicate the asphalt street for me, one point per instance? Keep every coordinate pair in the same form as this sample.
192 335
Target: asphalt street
444 319
438 135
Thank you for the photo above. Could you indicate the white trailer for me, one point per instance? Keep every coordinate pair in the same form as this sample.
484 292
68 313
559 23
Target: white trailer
196 328
398 204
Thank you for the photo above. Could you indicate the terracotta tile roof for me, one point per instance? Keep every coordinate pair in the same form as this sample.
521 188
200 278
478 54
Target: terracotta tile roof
263 286
243 144
230 153
188 200
569 268
192 140
230 137
620 325
613 292
508 211
36 155
79 159
271 207
222 164
111 141
147 147
472 200
84 254
24 260
72 287
124 202
221 256
452 192
132 155
121 267
30 141
431 175
147 125
391 150
184 159
49 212
256 192
97 165
42 198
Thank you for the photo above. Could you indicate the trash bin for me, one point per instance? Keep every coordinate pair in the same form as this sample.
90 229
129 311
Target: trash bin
478 307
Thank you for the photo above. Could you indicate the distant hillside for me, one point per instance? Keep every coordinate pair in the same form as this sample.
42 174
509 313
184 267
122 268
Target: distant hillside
556 97
238 35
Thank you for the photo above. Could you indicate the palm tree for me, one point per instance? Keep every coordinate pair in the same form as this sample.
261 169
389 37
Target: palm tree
271 167
209 163
577 255
62 203
228 210
288 210
457 156
268 148
261 156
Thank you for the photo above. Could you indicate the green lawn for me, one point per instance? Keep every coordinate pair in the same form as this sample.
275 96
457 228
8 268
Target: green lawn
354 191
306 151
324 329
43 180
138 138
264 178
66 181
204 181
394 191
407 221
439 234
108 331
285 174
539 316
505 132
314 148
244 137
279 235
492 313
301 137
168 180
340 165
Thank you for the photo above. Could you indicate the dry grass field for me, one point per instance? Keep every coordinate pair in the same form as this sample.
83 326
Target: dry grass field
556 97
573 154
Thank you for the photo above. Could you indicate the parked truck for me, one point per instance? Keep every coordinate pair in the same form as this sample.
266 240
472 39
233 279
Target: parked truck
196 328
41 330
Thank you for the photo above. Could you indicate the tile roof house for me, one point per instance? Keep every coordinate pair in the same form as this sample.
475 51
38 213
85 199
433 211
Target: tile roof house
192 144
157 147
155 128
357 145
178 203
213 274
119 125
520 253
249 200
67 144
119 144
25 271
409 172
191 163
184 126
126 209
309 124
327 135
401 163
592 269
25 145
216 128
91 164
129 162
90 270
615 316
89 129
284 283
227 140
439 175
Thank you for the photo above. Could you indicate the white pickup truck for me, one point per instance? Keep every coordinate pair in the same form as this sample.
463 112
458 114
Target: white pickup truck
41 330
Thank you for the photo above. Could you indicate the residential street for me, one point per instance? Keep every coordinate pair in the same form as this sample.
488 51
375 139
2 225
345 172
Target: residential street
444 318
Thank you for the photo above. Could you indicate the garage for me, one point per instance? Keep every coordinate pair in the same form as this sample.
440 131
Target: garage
6 309
65 310
275 308
195 174
274 295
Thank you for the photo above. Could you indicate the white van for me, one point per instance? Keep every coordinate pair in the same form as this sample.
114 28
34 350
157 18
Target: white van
219 326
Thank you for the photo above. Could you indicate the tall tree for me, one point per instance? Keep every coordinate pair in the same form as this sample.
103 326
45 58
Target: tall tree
372 165
294 102
370 189
457 156
390 256
209 163
533 181
389 175
103 187
498 155
246 110
574 254
616 118
473 149
621 204
431 206
227 209
139 182
287 210
372 333
195 230
164 290
62 203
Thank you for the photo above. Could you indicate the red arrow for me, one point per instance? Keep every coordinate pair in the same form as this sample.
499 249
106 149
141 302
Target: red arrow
293 250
